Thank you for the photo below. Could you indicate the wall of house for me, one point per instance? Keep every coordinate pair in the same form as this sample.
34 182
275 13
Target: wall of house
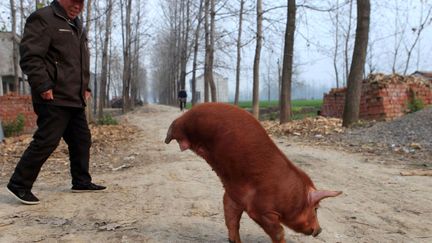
382 98
11 105
221 88
6 66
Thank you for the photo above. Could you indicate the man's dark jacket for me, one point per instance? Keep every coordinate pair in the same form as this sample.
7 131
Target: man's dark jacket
54 55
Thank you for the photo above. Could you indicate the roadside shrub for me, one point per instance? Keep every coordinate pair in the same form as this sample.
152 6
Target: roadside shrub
15 127
415 104
107 120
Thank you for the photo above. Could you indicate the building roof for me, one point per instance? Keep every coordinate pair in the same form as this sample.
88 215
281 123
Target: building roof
425 74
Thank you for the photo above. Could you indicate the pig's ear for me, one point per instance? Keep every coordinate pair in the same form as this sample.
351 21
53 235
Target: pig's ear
316 196
169 133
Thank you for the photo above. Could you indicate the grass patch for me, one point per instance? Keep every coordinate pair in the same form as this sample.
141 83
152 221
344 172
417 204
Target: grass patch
296 104
107 120
300 108
269 110
15 127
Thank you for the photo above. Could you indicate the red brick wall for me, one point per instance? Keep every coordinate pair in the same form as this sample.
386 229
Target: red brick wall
11 105
381 99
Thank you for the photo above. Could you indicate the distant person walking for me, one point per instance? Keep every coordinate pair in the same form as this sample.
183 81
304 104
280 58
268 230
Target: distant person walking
55 57
182 97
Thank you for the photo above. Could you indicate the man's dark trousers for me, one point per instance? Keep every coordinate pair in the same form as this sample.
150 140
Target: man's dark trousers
55 122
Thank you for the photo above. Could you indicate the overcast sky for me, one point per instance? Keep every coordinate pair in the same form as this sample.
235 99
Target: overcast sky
314 42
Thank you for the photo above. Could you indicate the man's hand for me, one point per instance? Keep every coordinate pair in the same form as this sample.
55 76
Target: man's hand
47 95
87 94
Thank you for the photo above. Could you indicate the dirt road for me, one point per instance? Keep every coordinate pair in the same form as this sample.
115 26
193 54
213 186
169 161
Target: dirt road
164 195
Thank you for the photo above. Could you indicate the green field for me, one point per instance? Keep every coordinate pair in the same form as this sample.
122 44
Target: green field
296 104
270 110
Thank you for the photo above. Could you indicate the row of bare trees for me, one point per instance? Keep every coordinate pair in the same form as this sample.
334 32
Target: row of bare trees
111 77
349 70
120 73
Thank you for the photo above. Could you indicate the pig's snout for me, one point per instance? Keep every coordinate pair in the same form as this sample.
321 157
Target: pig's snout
316 232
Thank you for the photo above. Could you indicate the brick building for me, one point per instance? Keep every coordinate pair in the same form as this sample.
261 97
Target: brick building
11 105
383 97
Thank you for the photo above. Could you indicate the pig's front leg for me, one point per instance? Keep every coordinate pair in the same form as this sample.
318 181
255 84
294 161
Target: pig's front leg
233 213
270 222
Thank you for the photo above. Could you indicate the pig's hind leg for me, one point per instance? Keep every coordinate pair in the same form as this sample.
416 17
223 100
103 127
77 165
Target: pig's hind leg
233 213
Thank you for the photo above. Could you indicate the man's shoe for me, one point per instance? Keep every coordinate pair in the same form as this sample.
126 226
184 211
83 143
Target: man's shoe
88 188
24 196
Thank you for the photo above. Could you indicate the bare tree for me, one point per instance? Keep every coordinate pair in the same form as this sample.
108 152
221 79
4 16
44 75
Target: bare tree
347 40
14 46
209 54
22 18
104 73
287 67
239 46
418 31
89 113
96 32
336 44
256 66
127 42
138 72
398 35
88 15
207 45
352 100
184 48
196 46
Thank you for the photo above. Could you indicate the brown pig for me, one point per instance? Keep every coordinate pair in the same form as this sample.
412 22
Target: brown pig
258 178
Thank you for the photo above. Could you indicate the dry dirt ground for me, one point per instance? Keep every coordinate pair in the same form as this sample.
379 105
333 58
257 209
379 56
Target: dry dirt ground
158 194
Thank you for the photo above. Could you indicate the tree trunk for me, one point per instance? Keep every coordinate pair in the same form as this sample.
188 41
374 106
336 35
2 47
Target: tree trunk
26 87
14 47
347 38
352 100
256 66
88 16
196 45
95 83
185 46
107 98
237 90
89 113
211 54
126 56
104 73
135 80
336 50
287 66
207 74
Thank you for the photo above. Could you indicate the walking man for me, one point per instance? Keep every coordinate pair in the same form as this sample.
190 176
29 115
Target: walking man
182 98
55 57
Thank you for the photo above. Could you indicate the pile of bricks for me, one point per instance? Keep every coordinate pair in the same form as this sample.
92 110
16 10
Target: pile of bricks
11 105
383 97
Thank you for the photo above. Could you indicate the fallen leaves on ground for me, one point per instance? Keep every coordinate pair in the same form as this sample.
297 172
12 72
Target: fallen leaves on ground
107 141
317 126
